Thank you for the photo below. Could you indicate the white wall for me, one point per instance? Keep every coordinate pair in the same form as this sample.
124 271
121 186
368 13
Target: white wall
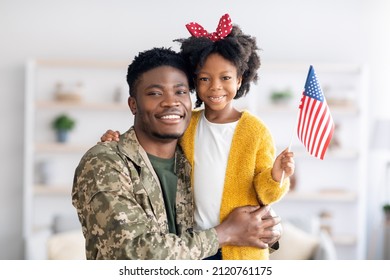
287 30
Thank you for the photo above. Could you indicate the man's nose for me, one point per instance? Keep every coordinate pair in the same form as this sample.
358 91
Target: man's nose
170 100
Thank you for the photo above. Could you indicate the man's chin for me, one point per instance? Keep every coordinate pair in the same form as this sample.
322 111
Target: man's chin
168 136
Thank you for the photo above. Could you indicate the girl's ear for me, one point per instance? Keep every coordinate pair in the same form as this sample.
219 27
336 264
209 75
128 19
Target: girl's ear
239 80
132 104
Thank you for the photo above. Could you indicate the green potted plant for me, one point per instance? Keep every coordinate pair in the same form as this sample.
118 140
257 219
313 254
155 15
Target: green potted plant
62 125
281 96
386 210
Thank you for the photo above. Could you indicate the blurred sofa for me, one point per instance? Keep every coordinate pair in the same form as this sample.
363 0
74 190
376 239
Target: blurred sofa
67 241
303 239
300 241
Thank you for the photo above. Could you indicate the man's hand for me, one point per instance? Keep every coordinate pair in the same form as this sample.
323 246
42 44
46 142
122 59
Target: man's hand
245 226
109 136
272 234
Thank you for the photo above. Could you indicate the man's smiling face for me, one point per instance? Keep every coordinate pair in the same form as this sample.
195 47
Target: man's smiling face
162 103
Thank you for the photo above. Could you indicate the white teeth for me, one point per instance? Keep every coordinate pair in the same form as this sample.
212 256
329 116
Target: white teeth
170 117
216 98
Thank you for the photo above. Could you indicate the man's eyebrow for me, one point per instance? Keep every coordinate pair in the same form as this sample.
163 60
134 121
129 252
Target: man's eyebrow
178 85
154 86
181 85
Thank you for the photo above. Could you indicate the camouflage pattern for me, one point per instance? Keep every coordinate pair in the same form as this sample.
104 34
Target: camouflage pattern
120 206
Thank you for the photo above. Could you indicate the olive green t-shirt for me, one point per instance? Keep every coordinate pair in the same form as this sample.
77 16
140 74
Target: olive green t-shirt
165 170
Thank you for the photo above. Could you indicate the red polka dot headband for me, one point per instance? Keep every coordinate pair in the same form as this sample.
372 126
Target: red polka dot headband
224 28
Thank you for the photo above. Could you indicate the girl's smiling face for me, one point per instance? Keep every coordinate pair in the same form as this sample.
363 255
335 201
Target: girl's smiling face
217 83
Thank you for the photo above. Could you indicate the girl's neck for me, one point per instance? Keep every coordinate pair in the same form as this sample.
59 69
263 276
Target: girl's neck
227 115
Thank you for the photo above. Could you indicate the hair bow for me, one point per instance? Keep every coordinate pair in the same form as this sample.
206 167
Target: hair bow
223 29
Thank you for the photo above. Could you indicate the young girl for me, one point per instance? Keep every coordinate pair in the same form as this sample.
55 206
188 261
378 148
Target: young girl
232 152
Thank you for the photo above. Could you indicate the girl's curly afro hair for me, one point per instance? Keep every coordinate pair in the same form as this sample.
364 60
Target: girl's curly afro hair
237 47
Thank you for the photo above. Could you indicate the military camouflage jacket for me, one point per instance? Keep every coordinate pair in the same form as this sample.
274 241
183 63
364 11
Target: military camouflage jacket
120 206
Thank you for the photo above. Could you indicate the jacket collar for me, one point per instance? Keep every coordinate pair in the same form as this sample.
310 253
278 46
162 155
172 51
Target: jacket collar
130 147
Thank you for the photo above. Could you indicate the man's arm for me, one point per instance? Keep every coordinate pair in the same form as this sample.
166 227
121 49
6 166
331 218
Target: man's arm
243 227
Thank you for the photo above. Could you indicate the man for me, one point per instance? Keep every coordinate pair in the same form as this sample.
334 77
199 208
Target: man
134 198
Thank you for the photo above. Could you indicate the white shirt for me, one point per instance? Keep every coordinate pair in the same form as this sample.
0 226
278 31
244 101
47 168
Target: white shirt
212 146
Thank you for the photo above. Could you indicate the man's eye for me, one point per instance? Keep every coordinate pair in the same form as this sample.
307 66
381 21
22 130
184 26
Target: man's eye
181 92
152 93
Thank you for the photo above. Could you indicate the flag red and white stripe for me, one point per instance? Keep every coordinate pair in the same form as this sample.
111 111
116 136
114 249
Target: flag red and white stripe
315 123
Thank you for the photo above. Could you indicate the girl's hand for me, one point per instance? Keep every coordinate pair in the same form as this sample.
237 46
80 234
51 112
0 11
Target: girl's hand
283 162
110 135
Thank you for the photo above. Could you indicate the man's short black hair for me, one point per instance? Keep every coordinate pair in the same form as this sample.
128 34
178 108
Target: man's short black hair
154 58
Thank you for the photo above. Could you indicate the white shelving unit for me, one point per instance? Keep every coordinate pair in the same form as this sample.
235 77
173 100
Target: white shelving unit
49 196
336 185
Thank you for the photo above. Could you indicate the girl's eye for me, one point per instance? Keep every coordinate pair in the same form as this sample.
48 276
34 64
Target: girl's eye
204 79
226 78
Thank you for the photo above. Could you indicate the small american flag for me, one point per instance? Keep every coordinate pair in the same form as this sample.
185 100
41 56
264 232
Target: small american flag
315 124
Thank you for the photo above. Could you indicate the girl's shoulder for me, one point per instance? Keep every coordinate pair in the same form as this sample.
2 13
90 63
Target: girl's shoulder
250 117
253 122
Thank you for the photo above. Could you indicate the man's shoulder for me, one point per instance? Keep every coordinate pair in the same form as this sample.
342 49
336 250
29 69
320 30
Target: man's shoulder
102 156
112 148
102 150
96 169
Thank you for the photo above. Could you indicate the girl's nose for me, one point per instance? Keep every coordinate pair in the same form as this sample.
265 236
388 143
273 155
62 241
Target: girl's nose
216 85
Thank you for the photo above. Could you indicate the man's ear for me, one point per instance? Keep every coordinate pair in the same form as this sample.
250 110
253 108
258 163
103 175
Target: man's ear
132 104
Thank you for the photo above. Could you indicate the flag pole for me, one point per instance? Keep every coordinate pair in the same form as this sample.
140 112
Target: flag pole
291 140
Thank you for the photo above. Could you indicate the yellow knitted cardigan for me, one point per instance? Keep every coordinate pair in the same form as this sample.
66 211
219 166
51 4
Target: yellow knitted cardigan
248 178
